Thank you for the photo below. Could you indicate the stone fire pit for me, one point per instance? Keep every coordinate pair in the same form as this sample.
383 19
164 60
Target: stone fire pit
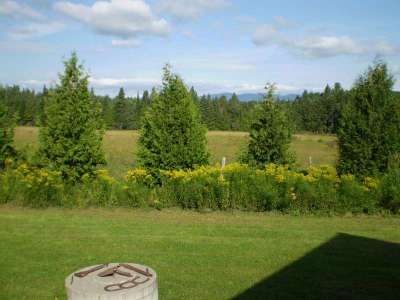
114 281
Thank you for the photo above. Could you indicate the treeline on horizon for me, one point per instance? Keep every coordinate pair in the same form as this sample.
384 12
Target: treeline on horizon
317 112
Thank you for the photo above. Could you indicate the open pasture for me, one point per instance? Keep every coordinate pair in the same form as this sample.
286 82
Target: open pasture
120 147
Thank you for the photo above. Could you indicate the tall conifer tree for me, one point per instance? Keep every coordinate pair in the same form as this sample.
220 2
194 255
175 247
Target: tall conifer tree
369 133
270 134
70 142
172 136
121 110
7 124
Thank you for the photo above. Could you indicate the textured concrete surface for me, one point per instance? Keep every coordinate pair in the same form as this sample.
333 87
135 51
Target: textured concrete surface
91 287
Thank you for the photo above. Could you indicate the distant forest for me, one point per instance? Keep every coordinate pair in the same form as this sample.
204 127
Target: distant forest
311 111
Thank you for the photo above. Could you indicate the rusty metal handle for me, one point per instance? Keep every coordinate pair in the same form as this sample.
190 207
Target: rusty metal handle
87 272
137 270
112 271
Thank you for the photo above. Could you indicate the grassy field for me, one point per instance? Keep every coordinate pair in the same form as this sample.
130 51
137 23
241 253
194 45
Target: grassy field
120 147
204 256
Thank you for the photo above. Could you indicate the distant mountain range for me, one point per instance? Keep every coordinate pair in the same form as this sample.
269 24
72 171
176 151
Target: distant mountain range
255 96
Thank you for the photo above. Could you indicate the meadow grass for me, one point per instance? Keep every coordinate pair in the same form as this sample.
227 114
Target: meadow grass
216 255
120 147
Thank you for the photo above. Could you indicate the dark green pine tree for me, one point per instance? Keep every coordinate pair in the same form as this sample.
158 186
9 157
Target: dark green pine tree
71 142
270 134
234 111
338 98
369 133
194 95
28 118
153 95
107 111
40 119
172 136
121 110
146 98
7 124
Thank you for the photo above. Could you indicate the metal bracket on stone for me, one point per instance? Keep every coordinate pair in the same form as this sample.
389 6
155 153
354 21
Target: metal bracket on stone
91 270
109 281
114 270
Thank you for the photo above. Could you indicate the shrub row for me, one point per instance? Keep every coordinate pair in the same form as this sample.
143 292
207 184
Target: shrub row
317 189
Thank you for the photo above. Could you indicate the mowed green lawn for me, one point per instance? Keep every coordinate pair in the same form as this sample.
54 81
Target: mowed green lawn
120 147
204 256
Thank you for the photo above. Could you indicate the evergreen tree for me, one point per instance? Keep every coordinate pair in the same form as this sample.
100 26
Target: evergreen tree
234 111
172 136
153 95
146 98
194 95
70 142
28 116
270 135
107 111
121 110
334 105
369 134
7 125
40 118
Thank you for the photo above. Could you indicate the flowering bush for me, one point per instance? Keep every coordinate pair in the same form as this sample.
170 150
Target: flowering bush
237 186
203 187
140 176
33 186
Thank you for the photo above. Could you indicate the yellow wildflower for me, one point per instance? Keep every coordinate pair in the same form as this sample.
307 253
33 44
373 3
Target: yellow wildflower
371 183
279 178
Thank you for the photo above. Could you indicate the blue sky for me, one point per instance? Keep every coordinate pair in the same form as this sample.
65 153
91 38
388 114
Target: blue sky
215 45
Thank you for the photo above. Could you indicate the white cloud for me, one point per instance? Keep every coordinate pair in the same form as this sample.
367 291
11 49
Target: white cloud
105 85
330 46
136 84
320 46
33 30
30 24
125 19
285 88
24 47
384 48
125 82
208 87
132 85
127 43
265 35
17 10
326 46
190 10
33 83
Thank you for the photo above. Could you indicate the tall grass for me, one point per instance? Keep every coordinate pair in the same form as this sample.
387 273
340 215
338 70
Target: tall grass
120 147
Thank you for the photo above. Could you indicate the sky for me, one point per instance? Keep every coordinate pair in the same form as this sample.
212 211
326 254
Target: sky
214 45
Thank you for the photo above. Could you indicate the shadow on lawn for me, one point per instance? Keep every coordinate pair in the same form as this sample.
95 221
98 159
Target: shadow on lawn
345 267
